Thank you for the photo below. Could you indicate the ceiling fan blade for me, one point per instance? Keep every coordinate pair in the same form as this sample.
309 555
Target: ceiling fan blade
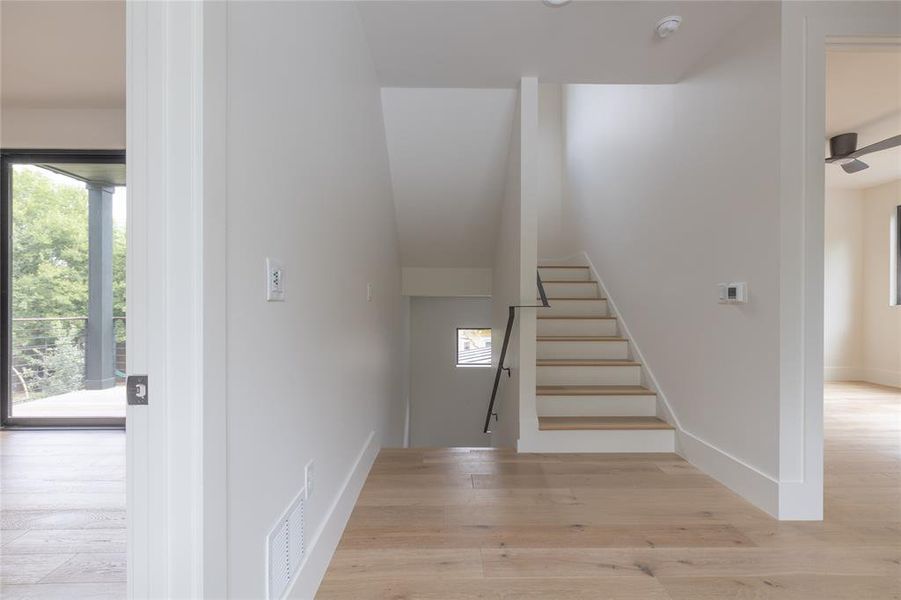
854 166
883 145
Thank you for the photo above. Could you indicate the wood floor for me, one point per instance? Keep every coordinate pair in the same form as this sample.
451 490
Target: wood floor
463 524
489 524
62 513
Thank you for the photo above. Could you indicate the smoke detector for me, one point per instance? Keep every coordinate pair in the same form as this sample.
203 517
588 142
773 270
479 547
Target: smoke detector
555 3
667 26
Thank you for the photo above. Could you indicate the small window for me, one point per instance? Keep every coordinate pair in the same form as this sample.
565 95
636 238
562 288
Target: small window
473 347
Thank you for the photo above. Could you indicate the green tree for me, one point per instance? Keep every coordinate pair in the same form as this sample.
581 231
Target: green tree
50 248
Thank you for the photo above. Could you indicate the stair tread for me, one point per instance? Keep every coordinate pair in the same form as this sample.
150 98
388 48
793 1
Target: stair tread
586 362
568 281
601 423
580 338
561 267
575 317
593 390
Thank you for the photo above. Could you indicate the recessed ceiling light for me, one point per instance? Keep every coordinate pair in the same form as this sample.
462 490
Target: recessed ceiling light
555 3
667 26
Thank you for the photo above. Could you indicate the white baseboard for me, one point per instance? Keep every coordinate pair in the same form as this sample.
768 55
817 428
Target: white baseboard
322 544
753 485
881 377
842 374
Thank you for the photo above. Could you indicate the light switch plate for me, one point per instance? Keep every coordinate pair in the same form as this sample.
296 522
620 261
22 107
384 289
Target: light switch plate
275 280
368 292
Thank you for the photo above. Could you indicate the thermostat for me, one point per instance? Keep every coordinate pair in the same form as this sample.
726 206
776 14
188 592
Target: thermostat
733 293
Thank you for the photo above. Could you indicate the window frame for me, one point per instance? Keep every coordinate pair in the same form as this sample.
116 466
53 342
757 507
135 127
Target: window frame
457 363
896 292
8 158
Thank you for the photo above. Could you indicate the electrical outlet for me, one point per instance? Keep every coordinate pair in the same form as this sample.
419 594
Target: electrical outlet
368 292
275 281
308 480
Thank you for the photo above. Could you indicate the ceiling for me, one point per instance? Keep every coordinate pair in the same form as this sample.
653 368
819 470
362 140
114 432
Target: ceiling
455 43
62 54
448 150
102 173
863 95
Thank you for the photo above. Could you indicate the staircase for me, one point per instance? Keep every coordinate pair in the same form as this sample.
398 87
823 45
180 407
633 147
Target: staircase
591 394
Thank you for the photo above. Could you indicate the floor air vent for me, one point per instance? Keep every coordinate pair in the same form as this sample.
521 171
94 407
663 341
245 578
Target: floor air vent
285 548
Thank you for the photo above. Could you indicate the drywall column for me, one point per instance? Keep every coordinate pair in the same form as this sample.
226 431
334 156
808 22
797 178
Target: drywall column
528 257
99 335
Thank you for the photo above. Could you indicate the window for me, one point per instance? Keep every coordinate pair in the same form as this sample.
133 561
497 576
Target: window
62 288
473 347
896 258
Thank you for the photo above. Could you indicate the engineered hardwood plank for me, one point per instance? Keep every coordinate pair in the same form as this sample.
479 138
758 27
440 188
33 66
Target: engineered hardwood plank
609 588
372 566
8 535
694 562
90 568
29 568
784 587
68 541
67 591
636 480
466 497
549 536
62 519
68 501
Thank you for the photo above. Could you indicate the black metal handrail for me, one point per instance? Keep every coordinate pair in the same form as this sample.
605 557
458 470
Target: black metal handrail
500 363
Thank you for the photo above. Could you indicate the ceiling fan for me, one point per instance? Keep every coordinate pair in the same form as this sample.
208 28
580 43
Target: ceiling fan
843 150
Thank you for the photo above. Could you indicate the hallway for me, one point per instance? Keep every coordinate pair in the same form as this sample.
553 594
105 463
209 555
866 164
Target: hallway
476 523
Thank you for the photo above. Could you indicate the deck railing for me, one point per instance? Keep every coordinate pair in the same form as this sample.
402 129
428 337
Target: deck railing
48 355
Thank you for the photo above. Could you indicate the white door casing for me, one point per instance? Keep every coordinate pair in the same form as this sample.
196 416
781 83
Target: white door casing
176 453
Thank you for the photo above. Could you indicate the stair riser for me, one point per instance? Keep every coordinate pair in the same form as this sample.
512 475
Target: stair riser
589 375
597 406
585 327
564 274
583 350
600 441
572 290
566 308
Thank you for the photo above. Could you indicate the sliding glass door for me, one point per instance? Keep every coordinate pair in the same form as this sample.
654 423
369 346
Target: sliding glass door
63 297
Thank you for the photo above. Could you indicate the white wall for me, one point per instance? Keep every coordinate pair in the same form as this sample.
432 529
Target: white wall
448 403
446 282
676 188
447 148
554 240
506 273
515 267
308 183
844 262
63 128
881 321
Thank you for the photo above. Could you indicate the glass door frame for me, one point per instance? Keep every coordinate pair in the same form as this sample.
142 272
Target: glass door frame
8 158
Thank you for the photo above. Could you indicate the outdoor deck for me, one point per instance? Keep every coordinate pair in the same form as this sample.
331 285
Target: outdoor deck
83 403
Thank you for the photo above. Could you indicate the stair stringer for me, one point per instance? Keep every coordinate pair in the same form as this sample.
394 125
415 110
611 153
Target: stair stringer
664 409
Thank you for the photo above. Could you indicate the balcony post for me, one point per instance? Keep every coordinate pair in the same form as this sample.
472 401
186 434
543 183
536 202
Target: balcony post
100 341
